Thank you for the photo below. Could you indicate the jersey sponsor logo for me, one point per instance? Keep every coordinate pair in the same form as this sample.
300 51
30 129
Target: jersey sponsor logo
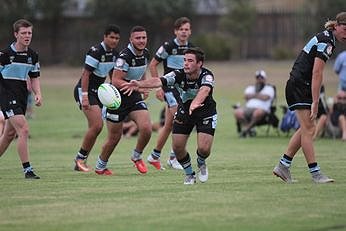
326 33
93 48
11 58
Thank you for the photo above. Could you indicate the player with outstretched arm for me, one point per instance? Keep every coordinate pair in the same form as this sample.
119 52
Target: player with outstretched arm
198 108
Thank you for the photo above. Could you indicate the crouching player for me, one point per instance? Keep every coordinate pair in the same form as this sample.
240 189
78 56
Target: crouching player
198 108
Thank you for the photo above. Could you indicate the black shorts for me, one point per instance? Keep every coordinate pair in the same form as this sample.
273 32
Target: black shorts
184 123
134 102
92 96
298 94
11 106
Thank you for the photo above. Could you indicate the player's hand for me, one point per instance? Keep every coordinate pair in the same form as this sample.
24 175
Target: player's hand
145 94
38 100
85 102
160 94
194 106
128 88
314 110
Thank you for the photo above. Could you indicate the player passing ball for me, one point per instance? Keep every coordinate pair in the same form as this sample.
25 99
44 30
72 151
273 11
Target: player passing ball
197 108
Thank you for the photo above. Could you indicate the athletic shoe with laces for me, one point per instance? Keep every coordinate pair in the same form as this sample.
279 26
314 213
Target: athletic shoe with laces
283 172
140 165
155 162
31 175
174 163
105 172
203 173
190 179
81 166
320 178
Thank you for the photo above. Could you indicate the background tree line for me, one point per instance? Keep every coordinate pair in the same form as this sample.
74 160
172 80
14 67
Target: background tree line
64 39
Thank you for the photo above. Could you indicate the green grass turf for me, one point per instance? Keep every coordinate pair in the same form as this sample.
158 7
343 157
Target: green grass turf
241 193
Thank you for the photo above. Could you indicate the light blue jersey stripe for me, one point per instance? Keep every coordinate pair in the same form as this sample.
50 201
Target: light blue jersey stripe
91 61
175 61
103 69
18 71
136 73
310 44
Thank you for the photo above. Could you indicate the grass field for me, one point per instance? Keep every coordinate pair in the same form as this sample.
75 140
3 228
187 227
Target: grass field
241 194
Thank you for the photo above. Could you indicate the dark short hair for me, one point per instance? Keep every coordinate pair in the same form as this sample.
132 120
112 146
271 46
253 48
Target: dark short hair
198 52
181 21
21 23
112 28
137 29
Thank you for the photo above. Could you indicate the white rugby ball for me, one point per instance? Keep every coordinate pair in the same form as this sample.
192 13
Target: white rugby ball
109 96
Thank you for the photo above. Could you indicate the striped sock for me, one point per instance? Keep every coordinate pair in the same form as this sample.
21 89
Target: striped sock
200 160
156 154
82 154
186 163
101 164
286 160
172 155
313 167
136 155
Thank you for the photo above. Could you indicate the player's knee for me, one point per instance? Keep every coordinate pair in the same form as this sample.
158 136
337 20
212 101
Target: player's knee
204 151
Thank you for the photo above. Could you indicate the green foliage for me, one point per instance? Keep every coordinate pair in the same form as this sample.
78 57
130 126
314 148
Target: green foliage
282 53
315 13
215 47
12 10
239 19
151 12
238 24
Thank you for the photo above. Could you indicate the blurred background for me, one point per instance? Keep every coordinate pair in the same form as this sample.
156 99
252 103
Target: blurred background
226 29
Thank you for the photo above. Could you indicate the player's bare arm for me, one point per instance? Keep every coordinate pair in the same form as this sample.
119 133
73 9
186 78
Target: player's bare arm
197 102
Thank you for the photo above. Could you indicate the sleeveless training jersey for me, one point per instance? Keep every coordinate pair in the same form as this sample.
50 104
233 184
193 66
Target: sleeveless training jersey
189 88
15 68
322 46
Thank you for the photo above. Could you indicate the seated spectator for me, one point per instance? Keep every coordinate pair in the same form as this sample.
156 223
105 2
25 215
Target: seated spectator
340 70
258 99
338 115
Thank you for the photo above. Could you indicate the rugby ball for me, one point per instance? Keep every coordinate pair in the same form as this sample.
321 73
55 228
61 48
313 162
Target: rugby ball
109 96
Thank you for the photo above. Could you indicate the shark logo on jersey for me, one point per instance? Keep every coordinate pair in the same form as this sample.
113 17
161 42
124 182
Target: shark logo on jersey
29 60
103 58
174 51
119 63
133 62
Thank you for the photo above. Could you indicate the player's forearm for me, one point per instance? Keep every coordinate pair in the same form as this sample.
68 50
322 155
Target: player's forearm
150 83
35 85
